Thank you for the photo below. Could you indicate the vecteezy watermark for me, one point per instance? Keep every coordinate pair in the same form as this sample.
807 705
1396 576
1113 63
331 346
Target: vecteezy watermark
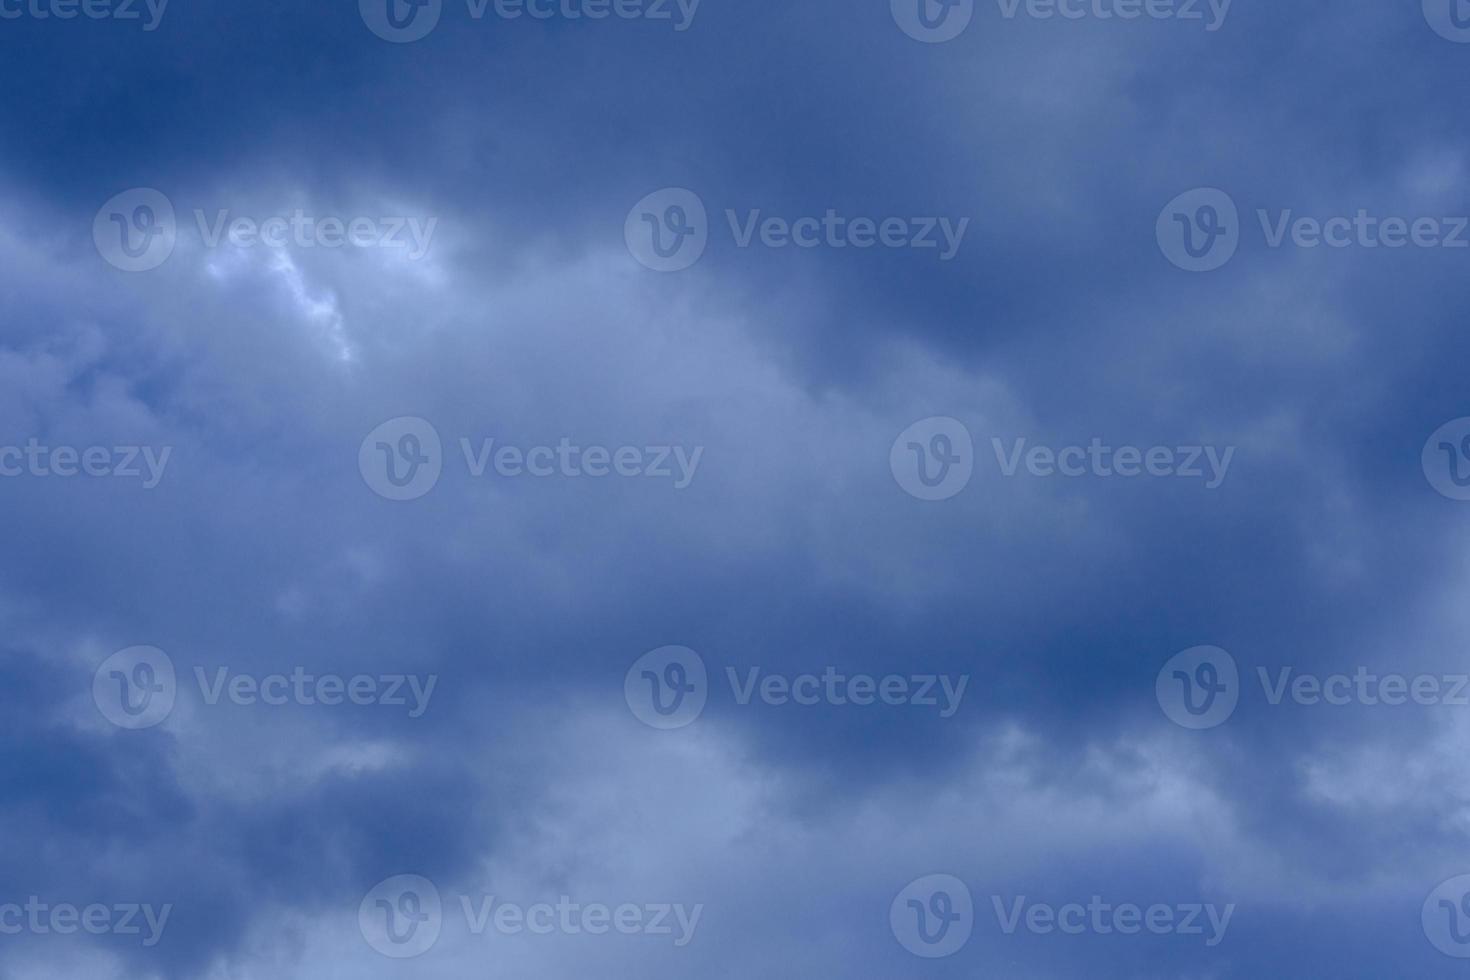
119 462
1096 459
669 230
1446 459
831 687
40 918
1200 230
1446 917
405 21
937 21
1200 688
138 687
403 458
303 688
403 917
1210 13
135 688
934 916
933 21
668 688
1365 687
934 459
149 13
137 230
1101 918
1449 18
674 920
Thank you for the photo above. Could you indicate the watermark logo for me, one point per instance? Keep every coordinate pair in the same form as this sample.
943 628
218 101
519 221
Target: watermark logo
1364 687
1449 18
138 687
1211 13
91 9
570 918
679 12
933 459
572 461
405 21
667 688
136 230
1097 459
146 463
409 691
1446 917
1102 918
668 230
1199 231
40 918
1199 688
402 916
402 458
933 916
940 691
135 688
401 21
412 234
933 21
937 21
1446 459
836 231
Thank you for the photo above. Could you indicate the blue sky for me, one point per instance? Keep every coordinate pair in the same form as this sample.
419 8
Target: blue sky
438 524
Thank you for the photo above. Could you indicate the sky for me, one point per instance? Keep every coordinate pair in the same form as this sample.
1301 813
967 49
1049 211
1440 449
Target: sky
654 488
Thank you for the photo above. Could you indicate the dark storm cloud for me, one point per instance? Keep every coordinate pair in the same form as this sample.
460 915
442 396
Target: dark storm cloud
1058 320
